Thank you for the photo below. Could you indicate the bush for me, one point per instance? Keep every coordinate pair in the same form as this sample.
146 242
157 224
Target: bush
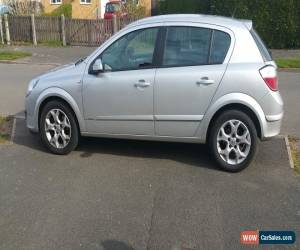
65 9
183 6
277 21
134 10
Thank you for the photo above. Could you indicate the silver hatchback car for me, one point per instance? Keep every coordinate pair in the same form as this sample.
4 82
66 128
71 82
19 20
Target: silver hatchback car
181 78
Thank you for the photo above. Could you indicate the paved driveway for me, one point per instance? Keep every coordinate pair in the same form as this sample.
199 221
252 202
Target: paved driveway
14 79
289 85
114 194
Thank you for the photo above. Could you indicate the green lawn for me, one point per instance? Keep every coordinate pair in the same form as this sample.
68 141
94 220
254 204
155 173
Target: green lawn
295 151
7 55
5 128
288 63
50 43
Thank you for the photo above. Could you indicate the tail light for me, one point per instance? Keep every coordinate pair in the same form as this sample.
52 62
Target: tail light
269 74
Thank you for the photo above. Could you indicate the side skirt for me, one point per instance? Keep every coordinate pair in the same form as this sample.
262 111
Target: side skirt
146 138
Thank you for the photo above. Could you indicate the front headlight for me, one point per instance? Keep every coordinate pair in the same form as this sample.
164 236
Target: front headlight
32 85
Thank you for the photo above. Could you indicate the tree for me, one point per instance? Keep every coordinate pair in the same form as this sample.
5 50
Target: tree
24 7
135 9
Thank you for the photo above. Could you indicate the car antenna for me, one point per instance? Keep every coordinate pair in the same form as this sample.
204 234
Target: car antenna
233 13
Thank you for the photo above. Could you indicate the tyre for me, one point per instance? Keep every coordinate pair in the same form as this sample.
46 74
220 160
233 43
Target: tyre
233 140
58 128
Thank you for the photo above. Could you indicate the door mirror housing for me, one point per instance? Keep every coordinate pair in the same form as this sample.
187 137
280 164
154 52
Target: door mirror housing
97 67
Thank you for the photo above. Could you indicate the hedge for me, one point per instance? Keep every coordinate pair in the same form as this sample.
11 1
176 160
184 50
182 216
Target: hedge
277 21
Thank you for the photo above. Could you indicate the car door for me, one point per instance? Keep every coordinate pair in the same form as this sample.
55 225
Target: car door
191 69
119 100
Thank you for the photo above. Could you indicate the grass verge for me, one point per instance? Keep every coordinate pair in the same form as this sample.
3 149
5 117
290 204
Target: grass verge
286 63
50 43
6 124
295 151
7 55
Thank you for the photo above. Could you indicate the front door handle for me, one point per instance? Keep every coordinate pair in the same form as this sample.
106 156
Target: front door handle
205 81
142 84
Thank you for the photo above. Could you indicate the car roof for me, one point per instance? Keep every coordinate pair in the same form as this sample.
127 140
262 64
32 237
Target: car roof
198 18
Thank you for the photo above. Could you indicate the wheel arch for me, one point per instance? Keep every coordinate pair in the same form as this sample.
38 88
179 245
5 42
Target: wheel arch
238 101
62 96
240 107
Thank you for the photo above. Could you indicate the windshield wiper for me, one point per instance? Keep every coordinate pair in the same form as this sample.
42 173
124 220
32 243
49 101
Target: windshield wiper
80 61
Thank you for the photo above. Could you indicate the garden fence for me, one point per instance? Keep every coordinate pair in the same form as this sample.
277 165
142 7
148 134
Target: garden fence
40 29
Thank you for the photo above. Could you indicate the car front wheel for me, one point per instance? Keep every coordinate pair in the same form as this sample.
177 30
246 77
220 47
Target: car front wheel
233 140
58 128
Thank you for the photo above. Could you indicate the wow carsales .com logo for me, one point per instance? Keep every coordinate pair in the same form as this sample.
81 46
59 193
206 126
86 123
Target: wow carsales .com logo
268 237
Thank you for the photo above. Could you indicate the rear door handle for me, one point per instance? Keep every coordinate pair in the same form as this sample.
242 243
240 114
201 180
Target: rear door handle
205 81
142 84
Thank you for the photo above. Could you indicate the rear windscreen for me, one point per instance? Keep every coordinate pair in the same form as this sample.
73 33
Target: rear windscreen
261 46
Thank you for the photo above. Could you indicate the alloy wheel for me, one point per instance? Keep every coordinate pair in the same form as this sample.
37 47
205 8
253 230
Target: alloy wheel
233 142
57 128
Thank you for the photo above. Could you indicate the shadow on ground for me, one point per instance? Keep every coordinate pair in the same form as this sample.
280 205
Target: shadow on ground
191 154
115 245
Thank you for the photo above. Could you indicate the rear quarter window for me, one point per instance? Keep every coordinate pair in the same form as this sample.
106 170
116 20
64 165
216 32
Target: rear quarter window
219 47
261 46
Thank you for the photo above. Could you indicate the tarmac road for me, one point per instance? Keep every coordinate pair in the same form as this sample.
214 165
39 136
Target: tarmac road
118 194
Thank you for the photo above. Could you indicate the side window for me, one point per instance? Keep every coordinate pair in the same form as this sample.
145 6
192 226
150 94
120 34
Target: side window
187 46
220 45
132 51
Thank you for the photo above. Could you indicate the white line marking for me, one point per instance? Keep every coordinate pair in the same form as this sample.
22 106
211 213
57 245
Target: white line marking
288 147
13 131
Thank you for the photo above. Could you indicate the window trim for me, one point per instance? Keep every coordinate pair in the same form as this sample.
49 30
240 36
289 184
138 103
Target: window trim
56 3
210 47
157 49
83 2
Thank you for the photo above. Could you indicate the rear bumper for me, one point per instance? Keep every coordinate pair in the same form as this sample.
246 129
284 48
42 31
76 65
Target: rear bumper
271 128
274 118
272 105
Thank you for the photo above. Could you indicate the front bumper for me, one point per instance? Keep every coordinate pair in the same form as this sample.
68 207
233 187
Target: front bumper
31 123
30 118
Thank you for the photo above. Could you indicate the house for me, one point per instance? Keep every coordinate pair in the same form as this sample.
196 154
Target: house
87 9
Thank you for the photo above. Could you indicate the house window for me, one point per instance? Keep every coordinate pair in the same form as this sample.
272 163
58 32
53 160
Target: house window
85 1
55 1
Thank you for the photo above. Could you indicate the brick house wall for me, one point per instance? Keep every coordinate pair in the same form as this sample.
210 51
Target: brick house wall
83 10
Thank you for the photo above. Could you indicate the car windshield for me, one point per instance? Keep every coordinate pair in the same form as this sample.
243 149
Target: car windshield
113 7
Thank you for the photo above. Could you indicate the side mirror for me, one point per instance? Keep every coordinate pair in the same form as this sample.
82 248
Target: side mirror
97 67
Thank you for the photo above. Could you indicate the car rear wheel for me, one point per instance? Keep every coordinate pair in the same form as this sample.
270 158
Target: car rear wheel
233 140
58 128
